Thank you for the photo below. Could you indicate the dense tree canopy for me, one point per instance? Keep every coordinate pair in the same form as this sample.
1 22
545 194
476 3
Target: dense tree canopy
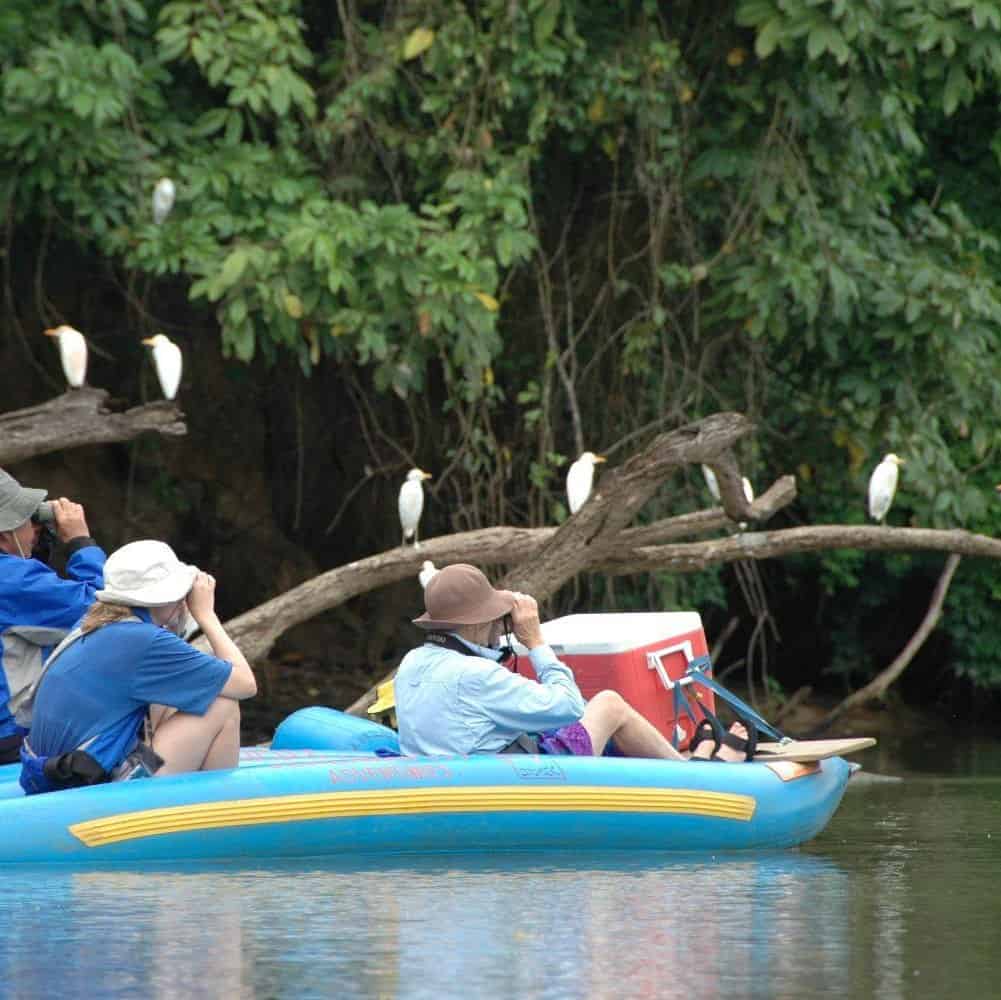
515 229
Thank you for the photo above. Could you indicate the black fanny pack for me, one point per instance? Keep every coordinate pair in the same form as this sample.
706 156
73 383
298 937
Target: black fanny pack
10 749
74 769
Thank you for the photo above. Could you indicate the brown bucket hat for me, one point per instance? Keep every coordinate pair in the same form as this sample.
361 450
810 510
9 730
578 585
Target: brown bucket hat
461 595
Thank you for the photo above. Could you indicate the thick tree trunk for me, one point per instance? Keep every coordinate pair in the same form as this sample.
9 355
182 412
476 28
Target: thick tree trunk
80 417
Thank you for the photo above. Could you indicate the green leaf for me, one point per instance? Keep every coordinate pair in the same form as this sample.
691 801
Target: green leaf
768 39
545 21
233 267
418 41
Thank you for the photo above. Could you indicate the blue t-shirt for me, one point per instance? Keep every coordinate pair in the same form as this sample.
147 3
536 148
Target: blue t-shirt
103 683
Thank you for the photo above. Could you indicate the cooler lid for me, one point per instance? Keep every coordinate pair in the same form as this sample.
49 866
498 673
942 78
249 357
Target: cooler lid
616 632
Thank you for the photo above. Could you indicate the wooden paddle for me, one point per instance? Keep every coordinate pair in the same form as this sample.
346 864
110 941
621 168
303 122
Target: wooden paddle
805 751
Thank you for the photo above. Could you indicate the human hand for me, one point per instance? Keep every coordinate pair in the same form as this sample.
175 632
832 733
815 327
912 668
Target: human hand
71 522
525 619
201 598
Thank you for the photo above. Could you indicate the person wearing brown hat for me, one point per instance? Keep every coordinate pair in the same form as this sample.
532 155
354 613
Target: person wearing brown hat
455 696
37 605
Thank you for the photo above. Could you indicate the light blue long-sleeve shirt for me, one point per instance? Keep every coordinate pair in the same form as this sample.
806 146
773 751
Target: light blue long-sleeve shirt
448 703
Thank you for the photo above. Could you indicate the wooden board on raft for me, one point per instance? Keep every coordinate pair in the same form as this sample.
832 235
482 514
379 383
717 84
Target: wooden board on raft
809 750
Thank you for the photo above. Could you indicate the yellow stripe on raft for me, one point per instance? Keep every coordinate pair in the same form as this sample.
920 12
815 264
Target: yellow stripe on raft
408 801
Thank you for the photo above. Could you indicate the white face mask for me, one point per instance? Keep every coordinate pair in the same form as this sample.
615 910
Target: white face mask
180 622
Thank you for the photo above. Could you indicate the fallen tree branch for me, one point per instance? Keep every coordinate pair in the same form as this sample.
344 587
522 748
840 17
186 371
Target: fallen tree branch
545 558
81 417
256 630
789 706
878 686
595 530
693 556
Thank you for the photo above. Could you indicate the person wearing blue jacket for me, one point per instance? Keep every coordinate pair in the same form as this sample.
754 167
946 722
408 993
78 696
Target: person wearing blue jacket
37 605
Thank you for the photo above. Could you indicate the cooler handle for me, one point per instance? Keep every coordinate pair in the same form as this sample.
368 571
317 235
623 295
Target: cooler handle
653 662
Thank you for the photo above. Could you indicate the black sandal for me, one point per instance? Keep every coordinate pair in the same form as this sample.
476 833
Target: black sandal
711 728
705 730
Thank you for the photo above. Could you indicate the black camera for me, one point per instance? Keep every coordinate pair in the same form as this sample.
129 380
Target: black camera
45 515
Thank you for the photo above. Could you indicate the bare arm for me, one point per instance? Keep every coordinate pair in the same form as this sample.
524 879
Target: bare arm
201 604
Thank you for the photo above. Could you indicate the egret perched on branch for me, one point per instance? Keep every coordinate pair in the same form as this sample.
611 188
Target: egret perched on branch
163 199
72 353
748 488
711 484
580 479
882 486
428 572
168 363
411 503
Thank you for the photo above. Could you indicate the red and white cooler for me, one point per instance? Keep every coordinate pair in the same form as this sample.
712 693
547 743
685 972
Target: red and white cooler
639 654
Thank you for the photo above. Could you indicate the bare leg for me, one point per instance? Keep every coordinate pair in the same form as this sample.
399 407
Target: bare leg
158 714
206 742
608 715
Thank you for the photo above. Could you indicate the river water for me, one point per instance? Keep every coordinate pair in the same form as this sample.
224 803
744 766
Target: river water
899 897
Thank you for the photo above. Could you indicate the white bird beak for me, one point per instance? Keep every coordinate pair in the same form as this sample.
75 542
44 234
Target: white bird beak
148 341
599 458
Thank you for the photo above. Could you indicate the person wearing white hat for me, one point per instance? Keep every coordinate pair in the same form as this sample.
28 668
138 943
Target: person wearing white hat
126 656
37 605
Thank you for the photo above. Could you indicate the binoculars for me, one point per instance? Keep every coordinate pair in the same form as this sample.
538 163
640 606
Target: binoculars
44 515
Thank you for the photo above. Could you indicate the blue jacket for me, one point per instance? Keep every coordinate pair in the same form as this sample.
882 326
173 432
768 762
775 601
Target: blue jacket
33 594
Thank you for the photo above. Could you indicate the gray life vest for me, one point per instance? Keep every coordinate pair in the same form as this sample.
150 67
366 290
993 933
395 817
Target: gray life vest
22 659
26 702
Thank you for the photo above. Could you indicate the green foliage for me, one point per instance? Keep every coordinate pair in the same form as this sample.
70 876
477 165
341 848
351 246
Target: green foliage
505 215
971 623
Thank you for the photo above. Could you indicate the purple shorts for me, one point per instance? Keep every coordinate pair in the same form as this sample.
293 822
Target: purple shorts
573 739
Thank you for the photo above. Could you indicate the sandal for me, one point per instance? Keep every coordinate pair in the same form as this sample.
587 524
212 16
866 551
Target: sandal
711 728
705 730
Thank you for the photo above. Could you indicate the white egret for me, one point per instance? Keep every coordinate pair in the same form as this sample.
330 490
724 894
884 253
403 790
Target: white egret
428 572
72 353
163 199
580 479
748 488
168 363
711 483
411 503
882 486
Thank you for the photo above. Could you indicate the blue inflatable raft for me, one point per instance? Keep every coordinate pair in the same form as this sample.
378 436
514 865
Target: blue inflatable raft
297 802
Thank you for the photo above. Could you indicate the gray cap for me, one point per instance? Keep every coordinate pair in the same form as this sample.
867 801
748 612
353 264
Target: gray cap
17 502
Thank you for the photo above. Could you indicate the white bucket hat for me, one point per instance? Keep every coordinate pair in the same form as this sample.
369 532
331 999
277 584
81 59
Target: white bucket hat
145 574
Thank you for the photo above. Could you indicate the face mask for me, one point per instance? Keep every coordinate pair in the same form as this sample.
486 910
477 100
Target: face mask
180 622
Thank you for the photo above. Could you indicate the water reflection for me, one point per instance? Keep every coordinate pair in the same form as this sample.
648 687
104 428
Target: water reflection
571 927
897 898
